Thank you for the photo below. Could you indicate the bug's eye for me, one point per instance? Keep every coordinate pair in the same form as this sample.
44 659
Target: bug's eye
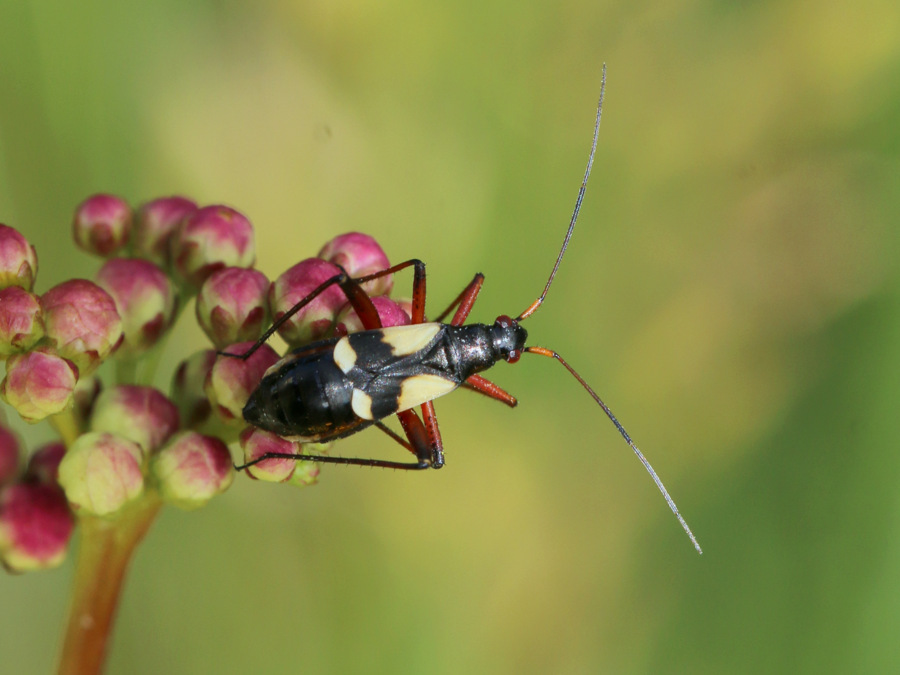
503 321
514 356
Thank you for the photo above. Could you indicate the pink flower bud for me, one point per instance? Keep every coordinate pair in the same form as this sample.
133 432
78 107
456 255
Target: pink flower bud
406 305
154 224
21 322
38 384
82 321
231 381
145 300
256 443
390 313
10 455
315 320
35 526
231 305
360 255
192 469
102 224
101 472
43 465
208 240
18 261
139 414
188 392
307 473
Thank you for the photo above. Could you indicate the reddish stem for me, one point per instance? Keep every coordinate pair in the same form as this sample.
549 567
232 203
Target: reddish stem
105 551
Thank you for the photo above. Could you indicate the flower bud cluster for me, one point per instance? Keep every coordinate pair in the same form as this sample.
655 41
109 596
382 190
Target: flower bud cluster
125 441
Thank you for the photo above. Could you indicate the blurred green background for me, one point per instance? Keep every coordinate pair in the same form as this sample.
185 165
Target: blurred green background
732 291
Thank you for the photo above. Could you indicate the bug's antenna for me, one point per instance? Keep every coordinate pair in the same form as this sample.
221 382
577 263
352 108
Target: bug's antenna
587 172
659 484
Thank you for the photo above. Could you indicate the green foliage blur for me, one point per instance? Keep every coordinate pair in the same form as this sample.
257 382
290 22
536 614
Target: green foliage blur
732 291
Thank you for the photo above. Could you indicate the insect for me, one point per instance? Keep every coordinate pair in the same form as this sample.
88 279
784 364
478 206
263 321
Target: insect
339 386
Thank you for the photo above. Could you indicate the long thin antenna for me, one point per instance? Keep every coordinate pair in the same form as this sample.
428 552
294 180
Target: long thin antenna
587 172
659 484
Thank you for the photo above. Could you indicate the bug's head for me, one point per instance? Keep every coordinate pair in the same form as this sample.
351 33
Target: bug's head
509 338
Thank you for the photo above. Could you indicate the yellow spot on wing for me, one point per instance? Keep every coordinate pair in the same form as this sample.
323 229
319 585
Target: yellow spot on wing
420 389
361 403
345 356
405 340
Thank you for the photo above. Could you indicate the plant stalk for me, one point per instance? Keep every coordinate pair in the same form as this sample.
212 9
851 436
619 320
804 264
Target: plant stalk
106 548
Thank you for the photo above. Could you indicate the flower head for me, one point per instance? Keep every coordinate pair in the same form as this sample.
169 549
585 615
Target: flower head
143 415
144 298
154 224
21 321
18 260
360 255
256 442
192 468
35 526
38 383
231 306
209 239
231 380
102 224
315 320
390 312
101 473
43 465
82 322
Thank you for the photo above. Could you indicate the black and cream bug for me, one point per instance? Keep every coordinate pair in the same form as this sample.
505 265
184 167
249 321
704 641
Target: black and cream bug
336 387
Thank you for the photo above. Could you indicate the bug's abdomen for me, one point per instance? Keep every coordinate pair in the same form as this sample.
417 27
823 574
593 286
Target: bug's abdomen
305 396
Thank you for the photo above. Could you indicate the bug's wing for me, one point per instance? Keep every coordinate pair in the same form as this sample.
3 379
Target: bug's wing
389 393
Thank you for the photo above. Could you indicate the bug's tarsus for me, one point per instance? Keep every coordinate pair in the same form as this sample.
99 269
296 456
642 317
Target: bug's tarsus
659 484
587 172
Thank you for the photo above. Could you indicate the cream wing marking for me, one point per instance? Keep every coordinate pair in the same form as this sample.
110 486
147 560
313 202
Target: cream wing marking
420 389
361 403
344 355
405 340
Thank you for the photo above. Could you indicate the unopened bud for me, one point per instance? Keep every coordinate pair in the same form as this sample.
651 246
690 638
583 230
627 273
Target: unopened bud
140 414
43 465
208 240
82 321
18 261
231 380
389 312
154 224
21 323
38 384
101 472
360 255
231 305
35 526
255 443
188 388
145 301
102 224
315 320
192 469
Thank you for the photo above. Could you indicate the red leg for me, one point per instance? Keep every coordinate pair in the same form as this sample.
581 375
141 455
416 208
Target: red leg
463 302
488 388
418 299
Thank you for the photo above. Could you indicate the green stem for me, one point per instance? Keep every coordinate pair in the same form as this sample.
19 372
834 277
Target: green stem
105 550
66 426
